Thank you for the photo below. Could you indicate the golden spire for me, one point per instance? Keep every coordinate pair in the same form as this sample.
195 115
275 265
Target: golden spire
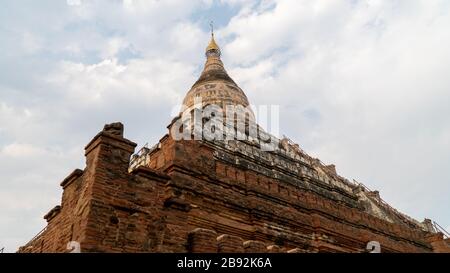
212 47
212 44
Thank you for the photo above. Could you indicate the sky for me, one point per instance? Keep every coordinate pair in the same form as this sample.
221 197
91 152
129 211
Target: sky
362 84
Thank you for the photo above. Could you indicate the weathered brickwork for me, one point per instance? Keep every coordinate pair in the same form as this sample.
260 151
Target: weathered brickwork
190 199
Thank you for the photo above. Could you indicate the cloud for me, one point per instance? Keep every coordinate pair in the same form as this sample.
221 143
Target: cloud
88 65
21 150
373 72
361 84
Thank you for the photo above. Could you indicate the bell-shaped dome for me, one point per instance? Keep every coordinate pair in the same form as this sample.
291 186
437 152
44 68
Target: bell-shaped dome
214 85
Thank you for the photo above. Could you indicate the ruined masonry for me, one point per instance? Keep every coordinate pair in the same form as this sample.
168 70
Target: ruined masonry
220 196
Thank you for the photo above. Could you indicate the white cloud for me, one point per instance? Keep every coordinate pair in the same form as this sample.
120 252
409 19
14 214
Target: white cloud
74 2
373 74
361 84
21 150
106 82
31 43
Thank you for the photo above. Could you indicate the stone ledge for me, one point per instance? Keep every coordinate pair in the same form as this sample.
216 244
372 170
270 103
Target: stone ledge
71 177
150 173
115 138
52 213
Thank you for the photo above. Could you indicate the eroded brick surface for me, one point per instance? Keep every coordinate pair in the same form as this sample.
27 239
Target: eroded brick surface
196 196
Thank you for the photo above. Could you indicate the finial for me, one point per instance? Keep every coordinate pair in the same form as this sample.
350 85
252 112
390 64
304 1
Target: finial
212 49
211 24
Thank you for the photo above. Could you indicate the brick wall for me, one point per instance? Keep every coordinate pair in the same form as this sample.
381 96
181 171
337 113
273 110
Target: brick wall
194 197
